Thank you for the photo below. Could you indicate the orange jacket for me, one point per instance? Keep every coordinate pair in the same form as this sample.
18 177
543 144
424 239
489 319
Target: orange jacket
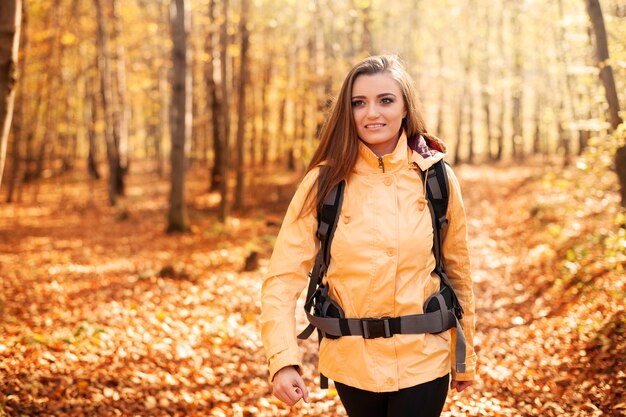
381 266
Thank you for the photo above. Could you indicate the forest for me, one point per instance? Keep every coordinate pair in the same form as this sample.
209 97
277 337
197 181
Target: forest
149 150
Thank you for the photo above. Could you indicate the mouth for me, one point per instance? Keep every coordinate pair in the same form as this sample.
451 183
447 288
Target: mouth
374 125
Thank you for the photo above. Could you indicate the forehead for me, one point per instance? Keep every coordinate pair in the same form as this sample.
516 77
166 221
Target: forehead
375 84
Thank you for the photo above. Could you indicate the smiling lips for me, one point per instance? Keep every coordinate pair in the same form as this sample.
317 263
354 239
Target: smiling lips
374 125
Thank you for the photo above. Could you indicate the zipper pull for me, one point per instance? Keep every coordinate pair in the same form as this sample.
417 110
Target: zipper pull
381 165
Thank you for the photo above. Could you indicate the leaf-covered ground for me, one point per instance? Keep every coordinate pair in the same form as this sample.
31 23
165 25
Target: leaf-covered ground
103 314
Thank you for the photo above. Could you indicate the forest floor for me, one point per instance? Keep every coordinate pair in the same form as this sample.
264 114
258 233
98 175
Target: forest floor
103 314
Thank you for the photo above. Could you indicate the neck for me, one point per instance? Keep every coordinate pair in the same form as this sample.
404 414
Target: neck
383 148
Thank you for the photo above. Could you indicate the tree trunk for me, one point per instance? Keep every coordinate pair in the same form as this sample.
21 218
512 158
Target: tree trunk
106 93
366 37
459 126
293 81
565 137
19 115
500 123
280 129
121 107
620 168
602 55
537 119
10 23
517 137
441 93
265 114
90 118
163 126
565 142
484 73
256 127
223 212
461 109
180 114
606 74
214 105
241 112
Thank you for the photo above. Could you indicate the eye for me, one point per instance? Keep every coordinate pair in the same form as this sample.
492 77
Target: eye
387 100
357 103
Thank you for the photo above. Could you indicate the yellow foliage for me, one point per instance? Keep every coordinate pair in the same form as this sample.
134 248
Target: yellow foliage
68 39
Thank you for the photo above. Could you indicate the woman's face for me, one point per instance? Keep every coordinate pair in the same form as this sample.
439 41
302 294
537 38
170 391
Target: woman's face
378 109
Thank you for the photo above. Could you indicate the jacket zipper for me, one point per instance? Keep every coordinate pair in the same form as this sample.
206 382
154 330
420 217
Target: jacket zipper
381 165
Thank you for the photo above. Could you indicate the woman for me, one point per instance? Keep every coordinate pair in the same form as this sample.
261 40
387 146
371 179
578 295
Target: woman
382 260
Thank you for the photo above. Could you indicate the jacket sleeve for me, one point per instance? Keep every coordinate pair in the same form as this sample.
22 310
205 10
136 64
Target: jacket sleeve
457 262
287 276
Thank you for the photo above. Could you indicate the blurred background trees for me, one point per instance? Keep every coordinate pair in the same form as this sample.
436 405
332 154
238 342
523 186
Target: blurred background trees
98 83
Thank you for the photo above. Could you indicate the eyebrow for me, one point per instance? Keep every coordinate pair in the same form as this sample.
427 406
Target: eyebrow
378 96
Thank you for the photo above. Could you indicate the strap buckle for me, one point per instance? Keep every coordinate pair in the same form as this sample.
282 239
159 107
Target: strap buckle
374 328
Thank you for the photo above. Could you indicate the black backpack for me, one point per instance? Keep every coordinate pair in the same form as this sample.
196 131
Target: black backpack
442 311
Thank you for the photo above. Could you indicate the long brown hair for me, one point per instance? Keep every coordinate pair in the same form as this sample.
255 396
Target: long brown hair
339 143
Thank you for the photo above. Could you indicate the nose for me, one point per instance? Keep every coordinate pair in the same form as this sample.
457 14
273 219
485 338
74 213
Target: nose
372 111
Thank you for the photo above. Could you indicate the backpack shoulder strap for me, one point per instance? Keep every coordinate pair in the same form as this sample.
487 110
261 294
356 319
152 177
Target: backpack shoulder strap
327 217
438 195
438 192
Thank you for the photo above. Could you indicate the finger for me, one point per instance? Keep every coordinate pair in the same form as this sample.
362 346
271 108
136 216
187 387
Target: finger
287 399
281 394
304 393
290 393
293 394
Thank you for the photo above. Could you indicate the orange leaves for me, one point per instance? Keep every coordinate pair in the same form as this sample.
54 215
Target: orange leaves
97 320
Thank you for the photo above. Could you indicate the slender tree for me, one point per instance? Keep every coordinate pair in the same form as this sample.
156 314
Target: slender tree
19 127
104 66
501 89
517 93
223 213
606 75
212 98
602 55
241 111
180 114
122 104
90 110
10 22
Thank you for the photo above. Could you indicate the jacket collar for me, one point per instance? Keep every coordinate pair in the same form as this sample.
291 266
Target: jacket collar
424 151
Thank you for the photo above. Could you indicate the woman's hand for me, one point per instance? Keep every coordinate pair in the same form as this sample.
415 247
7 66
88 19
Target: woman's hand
460 385
289 386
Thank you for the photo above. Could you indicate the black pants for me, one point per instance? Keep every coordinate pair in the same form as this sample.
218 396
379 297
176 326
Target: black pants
423 400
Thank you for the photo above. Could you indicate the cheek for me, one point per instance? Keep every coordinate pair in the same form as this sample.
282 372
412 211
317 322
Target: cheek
396 114
357 114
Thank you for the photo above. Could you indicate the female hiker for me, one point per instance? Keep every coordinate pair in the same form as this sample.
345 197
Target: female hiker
389 358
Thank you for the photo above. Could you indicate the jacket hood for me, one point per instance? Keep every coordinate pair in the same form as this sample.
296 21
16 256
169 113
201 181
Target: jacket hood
427 150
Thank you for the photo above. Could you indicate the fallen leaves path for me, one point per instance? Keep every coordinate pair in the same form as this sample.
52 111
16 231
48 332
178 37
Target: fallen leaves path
102 314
